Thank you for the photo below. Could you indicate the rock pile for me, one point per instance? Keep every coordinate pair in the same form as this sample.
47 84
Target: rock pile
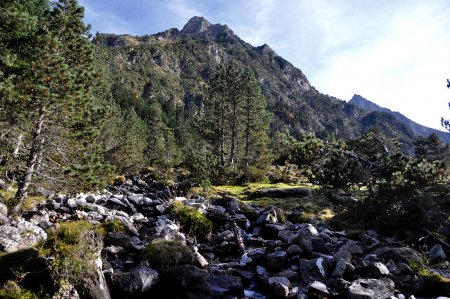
251 252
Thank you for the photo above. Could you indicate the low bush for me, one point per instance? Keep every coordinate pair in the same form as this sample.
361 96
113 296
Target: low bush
11 290
163 254
192 221
71 251
112 226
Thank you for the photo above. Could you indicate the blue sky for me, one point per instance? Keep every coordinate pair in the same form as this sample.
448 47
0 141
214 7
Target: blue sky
395 53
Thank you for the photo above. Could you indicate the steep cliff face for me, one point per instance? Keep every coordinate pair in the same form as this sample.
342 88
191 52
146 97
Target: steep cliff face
176 65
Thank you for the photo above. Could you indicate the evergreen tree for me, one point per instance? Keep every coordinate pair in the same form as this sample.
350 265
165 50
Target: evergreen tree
431 148
257 156
55 96
235 125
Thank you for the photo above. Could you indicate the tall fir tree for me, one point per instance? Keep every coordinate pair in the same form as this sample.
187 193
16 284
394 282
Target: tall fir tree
235 125
55 96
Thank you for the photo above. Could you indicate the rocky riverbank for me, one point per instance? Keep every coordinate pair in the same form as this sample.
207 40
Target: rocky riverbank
251 252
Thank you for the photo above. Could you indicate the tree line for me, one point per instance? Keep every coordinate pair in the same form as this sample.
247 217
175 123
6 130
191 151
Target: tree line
66 125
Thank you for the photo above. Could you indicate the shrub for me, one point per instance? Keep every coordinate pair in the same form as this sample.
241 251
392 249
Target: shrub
11 290
163 254
71 251
112 226
192 221
396 195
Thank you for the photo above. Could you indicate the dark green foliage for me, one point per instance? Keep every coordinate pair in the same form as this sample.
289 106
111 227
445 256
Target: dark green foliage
235 125
48 98
163 254
431 148
339 171
396 193
192 221
307 151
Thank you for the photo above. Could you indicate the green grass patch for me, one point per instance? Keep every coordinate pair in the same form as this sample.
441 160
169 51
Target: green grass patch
242 191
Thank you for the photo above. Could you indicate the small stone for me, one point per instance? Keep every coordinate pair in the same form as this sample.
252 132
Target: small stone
279 290
318 287
281 280
90 198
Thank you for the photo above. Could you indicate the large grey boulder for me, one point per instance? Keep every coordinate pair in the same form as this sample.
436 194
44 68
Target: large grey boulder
3 213
371 289
398 254
196 283
231 204
137 280
276 260
20 236
437 254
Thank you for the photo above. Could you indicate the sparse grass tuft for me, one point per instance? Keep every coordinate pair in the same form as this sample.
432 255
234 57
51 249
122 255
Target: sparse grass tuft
71 251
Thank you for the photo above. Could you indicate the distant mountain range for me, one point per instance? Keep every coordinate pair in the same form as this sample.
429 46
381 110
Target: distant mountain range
417 129
176 65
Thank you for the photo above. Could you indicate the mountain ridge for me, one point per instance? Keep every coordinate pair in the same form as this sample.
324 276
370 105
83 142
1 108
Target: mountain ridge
175 65
417 128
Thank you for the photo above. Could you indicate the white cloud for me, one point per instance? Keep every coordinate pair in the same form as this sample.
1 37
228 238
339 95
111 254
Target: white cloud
182 9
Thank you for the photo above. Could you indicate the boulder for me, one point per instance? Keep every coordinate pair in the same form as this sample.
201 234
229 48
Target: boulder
230 204
279 286
193 282
437 254
371 289
377 269
398 254
317 288
222 285
137 280
21 236
294 250
304 241
340 268
275 261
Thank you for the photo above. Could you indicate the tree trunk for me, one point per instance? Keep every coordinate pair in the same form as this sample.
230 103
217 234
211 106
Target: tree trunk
18 145
35 153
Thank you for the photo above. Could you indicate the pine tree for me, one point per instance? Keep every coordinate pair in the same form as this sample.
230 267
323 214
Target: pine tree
55 96
235 125
256 156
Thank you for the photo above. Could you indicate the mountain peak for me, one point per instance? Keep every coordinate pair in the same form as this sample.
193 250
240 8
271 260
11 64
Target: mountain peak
196 25
200 25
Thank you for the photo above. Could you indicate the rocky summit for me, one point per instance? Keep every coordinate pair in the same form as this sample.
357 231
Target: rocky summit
250 253
176 65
